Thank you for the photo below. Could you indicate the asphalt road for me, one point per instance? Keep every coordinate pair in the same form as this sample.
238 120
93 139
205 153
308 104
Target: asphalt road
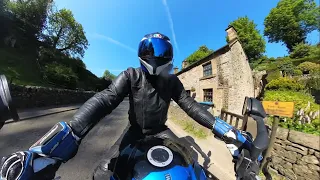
21 135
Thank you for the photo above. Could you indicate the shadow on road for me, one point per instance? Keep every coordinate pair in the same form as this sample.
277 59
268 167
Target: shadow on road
195 150
21 138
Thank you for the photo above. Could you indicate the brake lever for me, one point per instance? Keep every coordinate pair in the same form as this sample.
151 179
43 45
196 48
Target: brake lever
265 169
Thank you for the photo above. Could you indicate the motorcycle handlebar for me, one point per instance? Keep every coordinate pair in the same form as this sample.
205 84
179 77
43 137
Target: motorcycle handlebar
262 140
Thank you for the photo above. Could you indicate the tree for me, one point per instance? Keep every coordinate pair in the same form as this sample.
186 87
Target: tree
65 34
31 13
2 6
291 21
300 50
199 54
308 67
286 66
252 41
108 75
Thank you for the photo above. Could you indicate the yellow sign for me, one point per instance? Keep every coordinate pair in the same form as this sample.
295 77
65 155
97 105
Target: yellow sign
284 109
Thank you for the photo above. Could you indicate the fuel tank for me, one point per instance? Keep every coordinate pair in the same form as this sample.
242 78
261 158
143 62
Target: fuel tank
155 158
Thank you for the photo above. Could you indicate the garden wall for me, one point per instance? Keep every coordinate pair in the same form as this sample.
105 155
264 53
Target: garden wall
33 96
296 155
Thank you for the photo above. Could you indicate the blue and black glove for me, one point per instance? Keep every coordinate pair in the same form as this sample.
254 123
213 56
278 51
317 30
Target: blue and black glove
25 165
43 158
235 140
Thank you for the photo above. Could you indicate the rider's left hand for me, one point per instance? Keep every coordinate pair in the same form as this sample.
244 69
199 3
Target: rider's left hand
24 165
235 141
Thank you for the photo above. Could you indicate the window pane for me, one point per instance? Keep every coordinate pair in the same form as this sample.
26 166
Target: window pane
188 92
207 95
207 70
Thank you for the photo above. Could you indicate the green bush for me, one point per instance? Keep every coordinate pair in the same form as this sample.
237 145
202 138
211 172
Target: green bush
300 99
273 75
301 50
284 83
313 83
297 72
314 59
315 51
61 75
286 66
312 128
308 66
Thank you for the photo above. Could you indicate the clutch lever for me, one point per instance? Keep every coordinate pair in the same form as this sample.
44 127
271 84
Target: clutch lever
265 169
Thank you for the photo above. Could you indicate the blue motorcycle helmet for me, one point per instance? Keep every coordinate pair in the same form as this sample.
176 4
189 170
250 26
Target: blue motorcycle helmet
155 53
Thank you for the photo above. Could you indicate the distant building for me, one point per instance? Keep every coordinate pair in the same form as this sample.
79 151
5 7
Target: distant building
223 78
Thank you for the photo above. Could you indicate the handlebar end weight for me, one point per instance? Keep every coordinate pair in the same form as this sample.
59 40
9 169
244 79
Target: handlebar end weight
7 107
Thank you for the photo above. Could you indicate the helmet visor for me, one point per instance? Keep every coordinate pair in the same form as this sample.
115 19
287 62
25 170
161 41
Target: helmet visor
155 48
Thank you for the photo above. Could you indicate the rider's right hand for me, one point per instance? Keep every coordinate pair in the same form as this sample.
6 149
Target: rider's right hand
25 165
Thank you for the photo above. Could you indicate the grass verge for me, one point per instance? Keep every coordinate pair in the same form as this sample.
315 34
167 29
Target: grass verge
192 127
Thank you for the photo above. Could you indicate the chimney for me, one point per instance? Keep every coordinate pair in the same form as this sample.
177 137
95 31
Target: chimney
175 70
184 64
232 34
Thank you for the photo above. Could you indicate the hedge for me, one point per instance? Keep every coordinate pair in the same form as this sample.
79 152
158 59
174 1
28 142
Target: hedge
284 83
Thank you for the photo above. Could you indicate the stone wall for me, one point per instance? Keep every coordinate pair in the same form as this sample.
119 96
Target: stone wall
259 82
32 96
296 155
191 80
240 80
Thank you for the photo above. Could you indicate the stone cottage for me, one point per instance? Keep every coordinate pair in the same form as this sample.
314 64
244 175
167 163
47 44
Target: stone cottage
223 78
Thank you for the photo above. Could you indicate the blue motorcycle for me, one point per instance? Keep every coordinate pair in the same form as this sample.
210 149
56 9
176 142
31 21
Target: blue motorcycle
155 158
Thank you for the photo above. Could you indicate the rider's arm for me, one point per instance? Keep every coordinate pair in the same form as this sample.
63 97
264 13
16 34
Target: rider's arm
190 106
100 105
62 141
219 127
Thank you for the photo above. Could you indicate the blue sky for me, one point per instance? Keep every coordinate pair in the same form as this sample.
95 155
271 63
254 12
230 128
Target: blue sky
114 28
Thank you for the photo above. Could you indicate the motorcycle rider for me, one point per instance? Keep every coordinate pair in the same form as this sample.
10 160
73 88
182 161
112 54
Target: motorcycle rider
150 88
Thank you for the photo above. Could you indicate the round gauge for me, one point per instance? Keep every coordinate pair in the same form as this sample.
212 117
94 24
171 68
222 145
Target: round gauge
160 156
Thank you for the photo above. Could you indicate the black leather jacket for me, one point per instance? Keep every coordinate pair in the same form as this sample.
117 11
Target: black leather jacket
149 98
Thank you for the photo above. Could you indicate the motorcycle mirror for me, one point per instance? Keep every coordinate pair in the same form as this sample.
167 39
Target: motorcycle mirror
252 106
7 108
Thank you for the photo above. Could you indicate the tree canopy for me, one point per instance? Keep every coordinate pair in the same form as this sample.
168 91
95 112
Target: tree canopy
65 34
2 6
24 21
199 54
291 20
32 13
108 75
252 41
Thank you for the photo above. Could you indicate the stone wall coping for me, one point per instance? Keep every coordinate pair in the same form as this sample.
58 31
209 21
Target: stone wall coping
301 138
25 97
48 88
304 139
